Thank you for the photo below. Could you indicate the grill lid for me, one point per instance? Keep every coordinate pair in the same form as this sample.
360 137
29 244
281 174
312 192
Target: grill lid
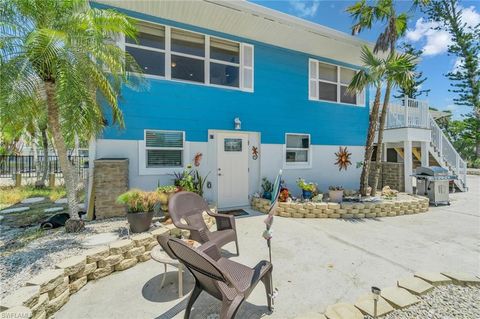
431 171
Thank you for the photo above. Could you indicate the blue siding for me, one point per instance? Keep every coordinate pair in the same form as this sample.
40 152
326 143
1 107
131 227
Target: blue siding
279 103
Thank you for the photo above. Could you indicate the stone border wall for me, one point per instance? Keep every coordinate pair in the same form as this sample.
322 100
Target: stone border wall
47 292
347 210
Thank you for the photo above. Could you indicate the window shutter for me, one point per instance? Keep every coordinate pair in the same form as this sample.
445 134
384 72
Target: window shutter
361 98
247 67
312 79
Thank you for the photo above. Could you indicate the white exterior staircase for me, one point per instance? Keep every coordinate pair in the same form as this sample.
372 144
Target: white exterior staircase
409 120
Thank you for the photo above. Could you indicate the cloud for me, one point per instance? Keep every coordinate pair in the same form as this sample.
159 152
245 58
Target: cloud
436 40
457 66
305 8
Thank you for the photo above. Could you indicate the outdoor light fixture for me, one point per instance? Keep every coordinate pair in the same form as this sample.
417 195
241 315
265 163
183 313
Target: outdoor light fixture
376 295
238 123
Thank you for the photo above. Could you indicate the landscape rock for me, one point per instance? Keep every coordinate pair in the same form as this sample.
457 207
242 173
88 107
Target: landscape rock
14 210
96 254
47 280
121 246
134 252
32 200
159 231
77 284
55 304
57 291
111 260
53 209
150 246
40 307
72 265
144 257
100 272
125 264
142 239
88 269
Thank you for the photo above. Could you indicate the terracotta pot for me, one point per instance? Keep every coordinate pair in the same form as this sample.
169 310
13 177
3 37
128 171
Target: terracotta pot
336 196
139 222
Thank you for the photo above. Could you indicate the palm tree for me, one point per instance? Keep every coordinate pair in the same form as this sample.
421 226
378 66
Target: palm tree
382 11
371 74
64 52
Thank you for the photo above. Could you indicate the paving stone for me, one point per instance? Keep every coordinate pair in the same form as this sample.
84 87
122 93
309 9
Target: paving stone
72 265
96 254
14 210
32 200
415 285
16 312
77 284
63 200
142 239
47 280
100 239
25 296
462 278
343 311
53 209
399 297
433 278
366 305
121 246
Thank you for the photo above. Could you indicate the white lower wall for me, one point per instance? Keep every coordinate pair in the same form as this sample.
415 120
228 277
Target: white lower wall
323 171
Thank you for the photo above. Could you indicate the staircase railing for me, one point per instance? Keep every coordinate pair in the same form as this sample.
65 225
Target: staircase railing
447 152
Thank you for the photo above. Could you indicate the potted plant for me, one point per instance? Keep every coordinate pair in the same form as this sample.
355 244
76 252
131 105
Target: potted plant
164 194
267 187
307 188
335 193
140 207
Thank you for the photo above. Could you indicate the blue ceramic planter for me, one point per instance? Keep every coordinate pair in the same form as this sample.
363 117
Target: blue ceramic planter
306 194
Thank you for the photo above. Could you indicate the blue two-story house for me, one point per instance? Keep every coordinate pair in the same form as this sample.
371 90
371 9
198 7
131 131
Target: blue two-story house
245 89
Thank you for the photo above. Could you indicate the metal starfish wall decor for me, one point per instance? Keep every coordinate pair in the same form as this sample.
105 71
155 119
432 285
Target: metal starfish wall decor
343 158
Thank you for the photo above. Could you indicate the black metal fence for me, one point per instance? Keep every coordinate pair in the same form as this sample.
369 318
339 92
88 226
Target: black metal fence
27 166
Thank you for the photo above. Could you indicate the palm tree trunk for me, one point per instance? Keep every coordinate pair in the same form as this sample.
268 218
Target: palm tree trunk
65 165
43 131
369 144
378 156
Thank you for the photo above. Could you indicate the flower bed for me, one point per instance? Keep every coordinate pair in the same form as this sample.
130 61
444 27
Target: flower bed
403 205
47 292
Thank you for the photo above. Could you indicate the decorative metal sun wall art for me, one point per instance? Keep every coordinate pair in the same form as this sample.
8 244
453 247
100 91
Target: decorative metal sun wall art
343 158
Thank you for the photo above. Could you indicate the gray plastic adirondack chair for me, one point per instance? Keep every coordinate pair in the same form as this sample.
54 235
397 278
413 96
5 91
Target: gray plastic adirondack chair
224 279
190 207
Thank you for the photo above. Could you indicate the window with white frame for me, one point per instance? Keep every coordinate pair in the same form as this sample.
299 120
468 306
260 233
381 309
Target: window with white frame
297 149
176 54
329 82
164 148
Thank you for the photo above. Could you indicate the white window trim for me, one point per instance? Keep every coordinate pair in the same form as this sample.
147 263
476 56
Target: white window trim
299 165
168 56
339 84
142 156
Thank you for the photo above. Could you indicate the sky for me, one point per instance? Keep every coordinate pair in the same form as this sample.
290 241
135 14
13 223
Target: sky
435 61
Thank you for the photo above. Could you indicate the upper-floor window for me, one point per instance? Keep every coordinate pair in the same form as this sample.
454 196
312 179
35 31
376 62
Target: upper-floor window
329 82
297 149
176 54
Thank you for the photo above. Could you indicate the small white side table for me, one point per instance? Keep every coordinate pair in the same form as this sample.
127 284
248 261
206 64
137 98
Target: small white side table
158 254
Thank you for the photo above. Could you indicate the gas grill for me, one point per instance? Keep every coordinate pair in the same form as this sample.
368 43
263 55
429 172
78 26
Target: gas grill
433 181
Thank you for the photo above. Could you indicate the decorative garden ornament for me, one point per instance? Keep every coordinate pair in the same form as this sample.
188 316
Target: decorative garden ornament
343 158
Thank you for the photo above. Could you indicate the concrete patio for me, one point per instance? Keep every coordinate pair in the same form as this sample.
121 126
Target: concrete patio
317 262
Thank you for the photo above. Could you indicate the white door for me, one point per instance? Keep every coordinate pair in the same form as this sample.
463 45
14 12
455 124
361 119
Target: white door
232 169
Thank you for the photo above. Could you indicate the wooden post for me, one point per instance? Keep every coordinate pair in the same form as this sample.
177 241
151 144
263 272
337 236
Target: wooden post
18 179
51 180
